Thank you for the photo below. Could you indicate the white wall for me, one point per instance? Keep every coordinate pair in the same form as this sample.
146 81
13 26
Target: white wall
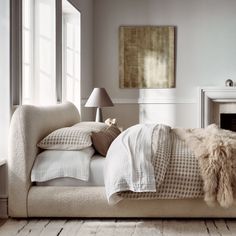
206 53
86 9
4 76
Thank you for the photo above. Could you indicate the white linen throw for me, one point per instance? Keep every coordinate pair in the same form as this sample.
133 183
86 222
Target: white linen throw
132 151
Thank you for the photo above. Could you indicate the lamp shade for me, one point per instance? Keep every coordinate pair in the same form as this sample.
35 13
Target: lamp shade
99 98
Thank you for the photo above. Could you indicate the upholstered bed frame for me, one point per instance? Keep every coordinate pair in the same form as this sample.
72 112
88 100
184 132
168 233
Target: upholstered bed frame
29 125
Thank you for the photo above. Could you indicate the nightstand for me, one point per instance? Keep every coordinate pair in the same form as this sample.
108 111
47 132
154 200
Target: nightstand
3 188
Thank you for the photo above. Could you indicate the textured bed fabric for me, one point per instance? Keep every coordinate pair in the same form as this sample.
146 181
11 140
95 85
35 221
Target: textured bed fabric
95 176
28 126
91 202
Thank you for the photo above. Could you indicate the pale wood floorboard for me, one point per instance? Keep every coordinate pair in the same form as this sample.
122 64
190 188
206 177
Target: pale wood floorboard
183 227
231 225
2 221
71 227
12 227
33 227
222 228
119 227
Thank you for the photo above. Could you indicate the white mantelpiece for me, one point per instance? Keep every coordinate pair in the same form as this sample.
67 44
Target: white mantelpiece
211 96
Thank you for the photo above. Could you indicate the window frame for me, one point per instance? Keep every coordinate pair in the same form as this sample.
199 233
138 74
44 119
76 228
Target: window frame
15 54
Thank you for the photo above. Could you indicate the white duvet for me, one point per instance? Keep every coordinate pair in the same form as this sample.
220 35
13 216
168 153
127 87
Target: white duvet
128 163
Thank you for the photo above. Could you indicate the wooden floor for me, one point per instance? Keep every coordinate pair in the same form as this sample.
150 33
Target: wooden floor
127 227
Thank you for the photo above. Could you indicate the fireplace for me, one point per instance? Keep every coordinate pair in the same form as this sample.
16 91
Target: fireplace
228 121
217 105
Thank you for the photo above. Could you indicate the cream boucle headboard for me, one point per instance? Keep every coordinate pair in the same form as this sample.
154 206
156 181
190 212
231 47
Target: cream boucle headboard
28 126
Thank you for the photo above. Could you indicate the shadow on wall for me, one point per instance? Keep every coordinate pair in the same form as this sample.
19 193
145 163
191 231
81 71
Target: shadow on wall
126 114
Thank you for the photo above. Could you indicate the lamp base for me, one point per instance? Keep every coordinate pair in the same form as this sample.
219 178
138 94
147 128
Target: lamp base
99 115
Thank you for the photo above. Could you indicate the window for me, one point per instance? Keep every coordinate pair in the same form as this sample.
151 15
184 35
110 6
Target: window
38 49
39 44
71 58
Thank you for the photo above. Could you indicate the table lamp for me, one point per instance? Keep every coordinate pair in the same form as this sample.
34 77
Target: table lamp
99 98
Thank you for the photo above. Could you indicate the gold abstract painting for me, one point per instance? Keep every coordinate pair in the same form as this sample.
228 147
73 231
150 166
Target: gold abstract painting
147 56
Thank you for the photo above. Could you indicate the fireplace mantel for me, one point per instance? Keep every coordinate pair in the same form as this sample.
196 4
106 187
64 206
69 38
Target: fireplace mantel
210 95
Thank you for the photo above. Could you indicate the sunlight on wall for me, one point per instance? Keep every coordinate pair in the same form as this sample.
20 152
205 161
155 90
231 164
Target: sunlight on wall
174 115
153 113
153 69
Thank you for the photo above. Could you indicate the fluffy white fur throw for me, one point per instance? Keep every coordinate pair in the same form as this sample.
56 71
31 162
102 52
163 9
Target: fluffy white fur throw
215 150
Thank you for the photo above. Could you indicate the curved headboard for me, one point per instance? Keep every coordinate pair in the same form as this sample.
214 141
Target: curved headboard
29 125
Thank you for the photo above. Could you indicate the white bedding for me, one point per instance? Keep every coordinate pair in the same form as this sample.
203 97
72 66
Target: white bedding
128 163
96 177
51 164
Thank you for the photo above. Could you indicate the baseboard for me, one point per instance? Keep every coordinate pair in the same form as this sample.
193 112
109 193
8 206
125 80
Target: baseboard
3 208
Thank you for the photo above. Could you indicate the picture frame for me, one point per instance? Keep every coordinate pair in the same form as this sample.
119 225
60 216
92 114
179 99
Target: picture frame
147 56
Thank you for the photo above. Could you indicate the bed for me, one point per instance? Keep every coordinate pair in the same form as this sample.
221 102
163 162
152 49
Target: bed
29 125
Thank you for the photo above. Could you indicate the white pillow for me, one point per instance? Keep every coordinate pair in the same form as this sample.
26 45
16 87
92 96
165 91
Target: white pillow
72 138
51 164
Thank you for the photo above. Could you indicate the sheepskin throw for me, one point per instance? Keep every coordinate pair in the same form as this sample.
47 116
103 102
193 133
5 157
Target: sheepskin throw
215 150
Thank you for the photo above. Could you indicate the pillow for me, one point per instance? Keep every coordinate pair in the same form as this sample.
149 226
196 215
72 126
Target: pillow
72 138
51 164
102 140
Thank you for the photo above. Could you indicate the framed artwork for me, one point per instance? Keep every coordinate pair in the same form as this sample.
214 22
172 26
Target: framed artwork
147 56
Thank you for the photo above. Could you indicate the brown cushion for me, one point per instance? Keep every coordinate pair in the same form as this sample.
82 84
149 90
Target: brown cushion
103 139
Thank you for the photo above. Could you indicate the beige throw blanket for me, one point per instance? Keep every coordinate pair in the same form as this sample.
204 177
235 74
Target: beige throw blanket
215 150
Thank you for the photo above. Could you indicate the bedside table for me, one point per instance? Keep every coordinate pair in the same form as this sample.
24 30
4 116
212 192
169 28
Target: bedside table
3 188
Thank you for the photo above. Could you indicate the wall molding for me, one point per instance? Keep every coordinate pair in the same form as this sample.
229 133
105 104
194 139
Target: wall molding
166 101
150 101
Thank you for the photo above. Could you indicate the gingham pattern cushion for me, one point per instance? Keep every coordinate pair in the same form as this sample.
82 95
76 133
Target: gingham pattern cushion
72 138
177 172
